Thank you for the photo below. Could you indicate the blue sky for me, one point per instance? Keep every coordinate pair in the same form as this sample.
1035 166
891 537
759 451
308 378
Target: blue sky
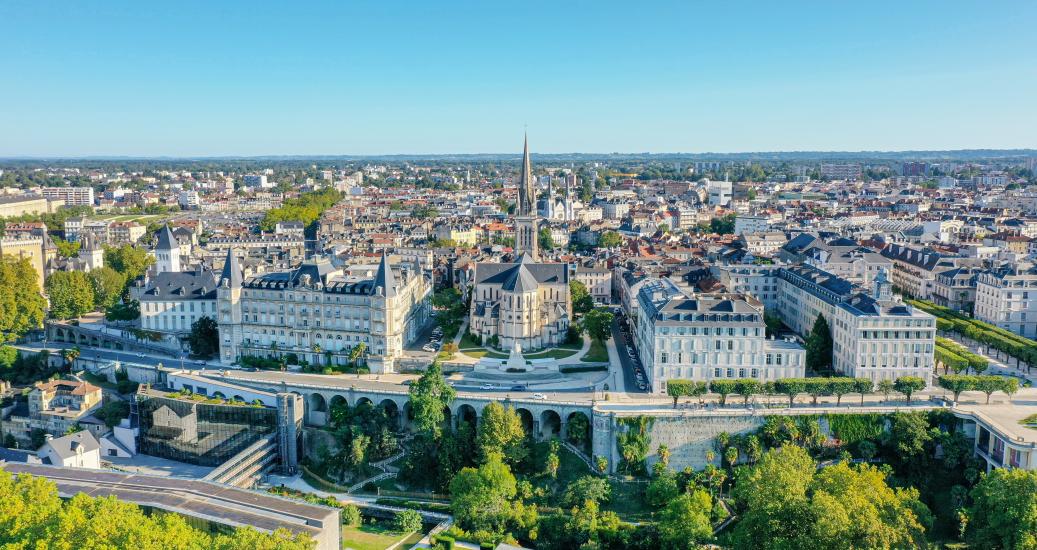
356 77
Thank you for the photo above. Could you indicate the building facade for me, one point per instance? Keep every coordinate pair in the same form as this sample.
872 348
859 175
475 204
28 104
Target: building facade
708 337
1007 297
320 313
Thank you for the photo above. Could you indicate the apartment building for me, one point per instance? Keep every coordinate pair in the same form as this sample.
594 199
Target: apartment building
318 311
1007 297
914 269
708 337
54 407
73 196
597 279
874 335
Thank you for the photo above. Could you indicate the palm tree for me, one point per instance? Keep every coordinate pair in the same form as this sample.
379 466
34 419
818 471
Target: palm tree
357 352
70 355
316 354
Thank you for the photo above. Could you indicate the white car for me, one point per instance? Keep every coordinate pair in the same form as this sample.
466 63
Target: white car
487 386
539 396
428 349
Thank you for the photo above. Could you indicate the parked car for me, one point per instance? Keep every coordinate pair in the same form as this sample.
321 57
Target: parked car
518 387
539 396
487 386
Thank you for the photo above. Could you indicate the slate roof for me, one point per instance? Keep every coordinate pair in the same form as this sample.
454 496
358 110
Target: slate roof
499 273
184 285
67 446
166 240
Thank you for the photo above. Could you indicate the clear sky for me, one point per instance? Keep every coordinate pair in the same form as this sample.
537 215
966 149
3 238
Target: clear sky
222 77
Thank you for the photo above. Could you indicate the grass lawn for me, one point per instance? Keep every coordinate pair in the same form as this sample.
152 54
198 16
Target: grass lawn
551 354
597 353
1030 421
374 536
483 352
469 341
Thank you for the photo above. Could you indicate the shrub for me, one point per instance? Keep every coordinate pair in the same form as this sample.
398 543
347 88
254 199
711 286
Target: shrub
351 515
444 542
407 521
370 487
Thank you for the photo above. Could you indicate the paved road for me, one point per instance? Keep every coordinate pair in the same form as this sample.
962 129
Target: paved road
124 356
622 344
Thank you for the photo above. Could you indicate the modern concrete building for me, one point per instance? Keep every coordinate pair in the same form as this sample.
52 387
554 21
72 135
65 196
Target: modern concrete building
72 196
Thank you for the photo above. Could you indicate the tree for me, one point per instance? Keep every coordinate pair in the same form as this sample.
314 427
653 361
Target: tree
71 294
790 387
819 345
577 428
598 323
586 488
907 385
602 464
113 412
863 386
551 464
662 489
581 298
501 432
990 384
70 355
664 454
34 516
482 498
407 521
66 249
21 305
886 387
818 387
545 240
108 285
747 387
722 388
129 260
356 352
773 324
677 388
908 436
788 503
841 386
731 456
205 337
956 384
686 520
429 396
1004 510
610 239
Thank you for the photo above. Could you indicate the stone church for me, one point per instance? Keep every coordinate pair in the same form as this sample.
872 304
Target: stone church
523 302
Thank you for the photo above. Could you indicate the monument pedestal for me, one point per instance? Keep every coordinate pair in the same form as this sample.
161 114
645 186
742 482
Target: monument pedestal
515 360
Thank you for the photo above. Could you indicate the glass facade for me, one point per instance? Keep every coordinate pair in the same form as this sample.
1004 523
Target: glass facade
196 432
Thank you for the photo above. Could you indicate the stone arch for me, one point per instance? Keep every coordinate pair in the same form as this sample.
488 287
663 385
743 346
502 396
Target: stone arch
392 410
570 426
239 398
364 400
408 416
550 424
219 394
337 401
318 403
467 413
528 420
448 417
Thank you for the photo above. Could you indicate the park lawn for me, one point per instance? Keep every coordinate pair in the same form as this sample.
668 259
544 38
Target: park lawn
375 536
469 341
551 354
597 353
483 352
574 345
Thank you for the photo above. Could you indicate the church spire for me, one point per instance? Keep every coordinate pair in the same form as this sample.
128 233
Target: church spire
526 188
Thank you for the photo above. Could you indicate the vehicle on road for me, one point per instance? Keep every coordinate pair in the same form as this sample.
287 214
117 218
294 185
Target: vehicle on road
141 354
518 387
539 396
487 386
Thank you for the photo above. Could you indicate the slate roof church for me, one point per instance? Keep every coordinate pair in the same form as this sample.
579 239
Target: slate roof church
525 301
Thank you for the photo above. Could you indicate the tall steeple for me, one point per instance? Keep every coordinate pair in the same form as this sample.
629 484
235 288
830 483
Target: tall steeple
527 230
526 187
549 205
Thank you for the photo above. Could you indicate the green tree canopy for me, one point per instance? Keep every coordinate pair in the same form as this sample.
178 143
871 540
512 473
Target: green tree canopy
483 498
21 305
205 337
598 323
581 298
429 396
108 285
610 239
686 520
71 294
129 260
1004 510
819 345
500 432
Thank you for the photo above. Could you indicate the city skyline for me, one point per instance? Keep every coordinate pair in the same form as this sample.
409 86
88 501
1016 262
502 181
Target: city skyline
366 80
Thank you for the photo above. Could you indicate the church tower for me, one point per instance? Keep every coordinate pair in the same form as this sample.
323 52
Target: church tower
91 253
526 230
167 252
228 301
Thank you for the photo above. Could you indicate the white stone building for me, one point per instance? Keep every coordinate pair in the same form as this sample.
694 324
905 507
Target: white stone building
1007 297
